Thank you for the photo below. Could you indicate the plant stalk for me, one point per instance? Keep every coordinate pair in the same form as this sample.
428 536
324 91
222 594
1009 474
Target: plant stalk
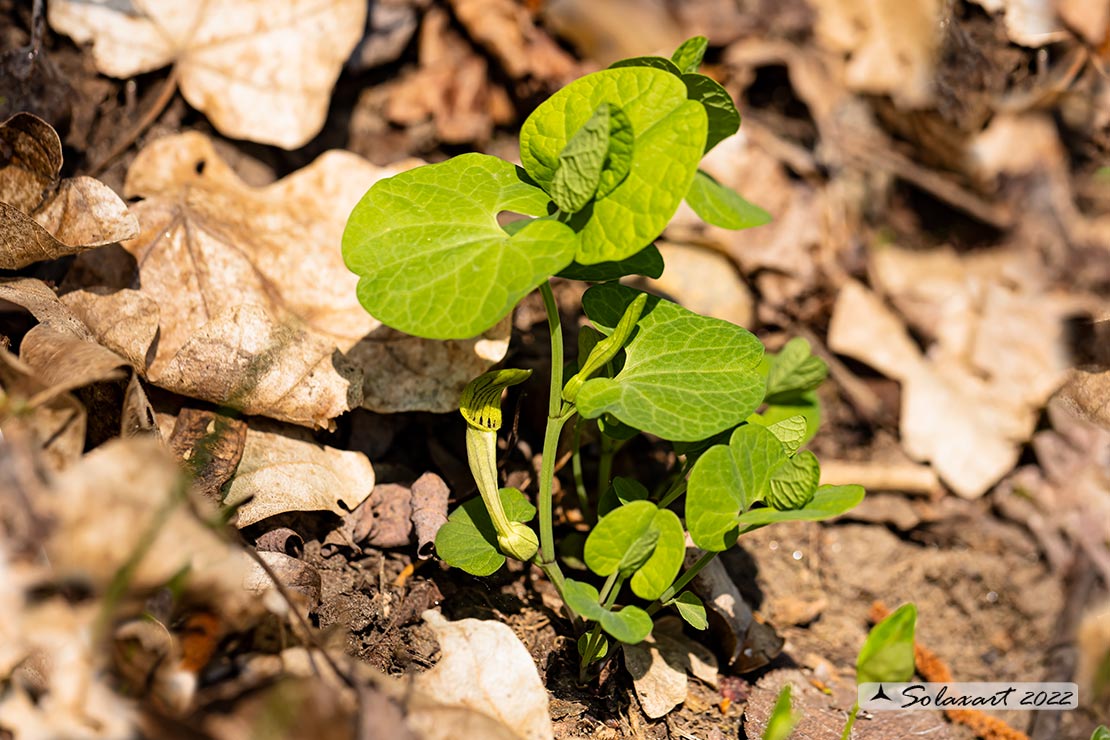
683 580
579 478
557 415
851 722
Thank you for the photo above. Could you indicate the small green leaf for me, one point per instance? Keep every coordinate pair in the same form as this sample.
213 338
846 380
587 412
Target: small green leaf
723 120
604 351
629 625
685 376
468 540
617 533
726 481
652 62
432 259
583 644
669 130
647 262
658 573
480 403
620 492
887 655
687 57
783 719
794 482
580 163
791 432
614 428
715 204
829 501
618 160
804 404
1102 732
691 609
794 370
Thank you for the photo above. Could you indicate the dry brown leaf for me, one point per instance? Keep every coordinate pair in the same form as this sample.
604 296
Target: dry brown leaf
485 667
38 299
55 421
282 472
892 44
262 70
451 87
211 447
615 29
106 506
506 30
1088 18
659 665
969 405
250 282
42 216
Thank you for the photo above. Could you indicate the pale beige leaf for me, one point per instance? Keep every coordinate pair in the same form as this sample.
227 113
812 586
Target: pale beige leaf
246 360
1028 22
485 667
38 299
66 363
892 44
262 70
659 665
282 471
56 421
42 216
125 321
210 242
130 492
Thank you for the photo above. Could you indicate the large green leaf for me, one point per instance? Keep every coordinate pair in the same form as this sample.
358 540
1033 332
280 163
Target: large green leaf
616 538
887 654
468 539
669 134
827 502
630 625
723 120
620 492
715 204
685 376
432 258
726 481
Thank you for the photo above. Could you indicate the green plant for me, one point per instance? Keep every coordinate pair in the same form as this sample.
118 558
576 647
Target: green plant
606 162
783 718
887 655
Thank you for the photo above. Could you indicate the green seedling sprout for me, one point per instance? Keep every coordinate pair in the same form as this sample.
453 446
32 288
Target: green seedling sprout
605 164
886 655
783 719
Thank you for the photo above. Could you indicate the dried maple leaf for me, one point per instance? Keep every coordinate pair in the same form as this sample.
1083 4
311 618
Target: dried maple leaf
262 70
42 216
254 303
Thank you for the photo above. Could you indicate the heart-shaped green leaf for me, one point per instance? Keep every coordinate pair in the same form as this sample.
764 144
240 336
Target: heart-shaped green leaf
669 130
794 370
629 625
727 480
687 57
829 501
887 654
614 540
723 120
804 404
432 258
685 376
647 262
468 540
794 482
691 609
595 160
715 204
652 62
658 573
620 492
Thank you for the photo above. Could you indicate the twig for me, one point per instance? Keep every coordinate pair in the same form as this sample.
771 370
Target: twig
905 477
165 95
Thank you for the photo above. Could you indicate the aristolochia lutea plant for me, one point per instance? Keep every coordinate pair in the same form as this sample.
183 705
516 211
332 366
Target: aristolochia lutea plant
606 162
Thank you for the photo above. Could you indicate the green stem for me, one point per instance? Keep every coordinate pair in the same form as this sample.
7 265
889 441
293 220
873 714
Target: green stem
683 580
851 722
677 490
607 597
557 416
609 447
579 478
